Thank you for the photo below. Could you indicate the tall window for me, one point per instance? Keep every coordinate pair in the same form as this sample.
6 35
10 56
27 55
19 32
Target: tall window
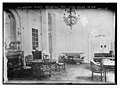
34 38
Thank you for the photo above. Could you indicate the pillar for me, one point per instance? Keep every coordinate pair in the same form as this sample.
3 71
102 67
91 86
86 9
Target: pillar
45 44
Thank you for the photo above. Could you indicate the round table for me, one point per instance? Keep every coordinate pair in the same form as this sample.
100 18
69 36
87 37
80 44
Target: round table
37 66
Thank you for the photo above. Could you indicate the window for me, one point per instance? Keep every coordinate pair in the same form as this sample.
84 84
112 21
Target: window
34 38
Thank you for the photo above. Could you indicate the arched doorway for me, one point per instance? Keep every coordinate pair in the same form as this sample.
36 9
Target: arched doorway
100 41
12 27
9 28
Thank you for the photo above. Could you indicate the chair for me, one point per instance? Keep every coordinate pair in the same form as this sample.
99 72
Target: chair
28 60
97 68
28 67
46 68
60 63
37 55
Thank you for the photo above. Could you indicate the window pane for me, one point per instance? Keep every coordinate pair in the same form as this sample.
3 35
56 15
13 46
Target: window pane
33 43
36 35
36 39
33 34
36 31
36 43
33 30
33 39
34 47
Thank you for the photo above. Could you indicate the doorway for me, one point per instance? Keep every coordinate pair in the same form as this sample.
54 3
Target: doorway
9 28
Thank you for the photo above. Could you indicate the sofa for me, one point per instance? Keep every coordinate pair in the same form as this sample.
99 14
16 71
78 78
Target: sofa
74 58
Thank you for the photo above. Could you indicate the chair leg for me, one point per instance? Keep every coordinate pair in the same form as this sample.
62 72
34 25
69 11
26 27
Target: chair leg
101 76
59 68
55 67
92 75
105 76
64 66
50 74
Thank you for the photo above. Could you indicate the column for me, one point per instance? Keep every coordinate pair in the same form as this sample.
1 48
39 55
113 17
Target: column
5 66
45 44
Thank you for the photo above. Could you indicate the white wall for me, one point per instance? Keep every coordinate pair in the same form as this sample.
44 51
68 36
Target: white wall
29 19
9 28
79 38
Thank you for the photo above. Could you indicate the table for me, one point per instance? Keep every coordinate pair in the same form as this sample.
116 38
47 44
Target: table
40 61
37 67
108 64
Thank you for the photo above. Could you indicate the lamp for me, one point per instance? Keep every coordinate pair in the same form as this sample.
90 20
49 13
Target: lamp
70 17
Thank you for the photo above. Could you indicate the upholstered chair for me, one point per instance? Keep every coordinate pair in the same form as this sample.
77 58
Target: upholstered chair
98 68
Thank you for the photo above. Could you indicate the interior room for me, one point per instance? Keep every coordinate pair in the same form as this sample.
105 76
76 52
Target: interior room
59 43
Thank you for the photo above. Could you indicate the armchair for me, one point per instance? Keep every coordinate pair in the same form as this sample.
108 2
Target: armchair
28 67
60 63
46 67
28 60
97 68
37 54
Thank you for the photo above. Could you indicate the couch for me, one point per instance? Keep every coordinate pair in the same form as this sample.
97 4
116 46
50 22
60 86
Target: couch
74 58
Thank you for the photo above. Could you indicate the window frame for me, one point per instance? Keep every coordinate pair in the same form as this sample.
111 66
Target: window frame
35 39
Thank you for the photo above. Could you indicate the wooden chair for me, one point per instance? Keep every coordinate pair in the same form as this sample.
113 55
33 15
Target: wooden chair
28 60
98 68
37 54
46 68
60 63
28 67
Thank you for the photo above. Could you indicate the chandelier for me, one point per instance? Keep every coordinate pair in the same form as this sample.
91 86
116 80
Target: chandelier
70 17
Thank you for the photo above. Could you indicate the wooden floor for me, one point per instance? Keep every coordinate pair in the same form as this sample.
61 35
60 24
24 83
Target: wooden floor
74 73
